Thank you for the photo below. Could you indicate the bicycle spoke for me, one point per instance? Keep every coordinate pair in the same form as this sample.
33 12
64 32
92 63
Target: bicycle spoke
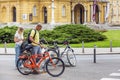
22 66
55 69
71 58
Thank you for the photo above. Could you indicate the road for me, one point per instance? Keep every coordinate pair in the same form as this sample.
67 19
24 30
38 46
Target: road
107 67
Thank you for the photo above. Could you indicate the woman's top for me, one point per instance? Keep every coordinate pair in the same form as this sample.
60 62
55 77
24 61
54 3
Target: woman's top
19 37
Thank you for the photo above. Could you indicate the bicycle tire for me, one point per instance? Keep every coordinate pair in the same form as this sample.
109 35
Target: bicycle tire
21 68
71 57
53 53
51 69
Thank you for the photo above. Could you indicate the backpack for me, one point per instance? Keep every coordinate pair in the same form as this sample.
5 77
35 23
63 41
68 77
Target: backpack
28 38
27 42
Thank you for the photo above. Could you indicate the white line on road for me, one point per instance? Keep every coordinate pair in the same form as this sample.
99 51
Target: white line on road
115 74
109 79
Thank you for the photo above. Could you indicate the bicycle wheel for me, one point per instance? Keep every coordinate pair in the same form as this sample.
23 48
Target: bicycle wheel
22 68
53 53
64 58
54 69
71 57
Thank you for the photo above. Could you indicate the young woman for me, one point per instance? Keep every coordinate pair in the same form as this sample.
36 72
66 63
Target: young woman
18 39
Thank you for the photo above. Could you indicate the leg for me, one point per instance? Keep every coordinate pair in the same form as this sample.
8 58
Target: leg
36 50
17 50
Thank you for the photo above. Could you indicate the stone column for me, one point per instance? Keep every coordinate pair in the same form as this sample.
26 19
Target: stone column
85 17
117 12
73 21
52 7
107 12
91 13
99 16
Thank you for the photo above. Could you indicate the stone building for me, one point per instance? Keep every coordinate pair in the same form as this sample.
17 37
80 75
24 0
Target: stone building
55 11
114 12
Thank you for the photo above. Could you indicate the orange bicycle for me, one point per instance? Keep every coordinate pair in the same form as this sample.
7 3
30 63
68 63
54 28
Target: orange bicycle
26 63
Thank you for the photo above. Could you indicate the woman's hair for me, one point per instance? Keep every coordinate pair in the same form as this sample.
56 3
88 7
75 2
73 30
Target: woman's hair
20 30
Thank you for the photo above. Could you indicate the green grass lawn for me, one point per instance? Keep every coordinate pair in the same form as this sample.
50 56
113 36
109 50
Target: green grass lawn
112 35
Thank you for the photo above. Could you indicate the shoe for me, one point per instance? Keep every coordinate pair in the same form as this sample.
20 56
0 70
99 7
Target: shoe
35 72
26 71
42 72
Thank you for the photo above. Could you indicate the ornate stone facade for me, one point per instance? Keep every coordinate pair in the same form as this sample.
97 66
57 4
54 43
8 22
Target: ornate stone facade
54 11
114 12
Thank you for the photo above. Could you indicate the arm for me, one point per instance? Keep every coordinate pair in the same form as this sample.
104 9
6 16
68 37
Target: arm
31 38
17 40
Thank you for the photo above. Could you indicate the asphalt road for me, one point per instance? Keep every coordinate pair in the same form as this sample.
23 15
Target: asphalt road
85 69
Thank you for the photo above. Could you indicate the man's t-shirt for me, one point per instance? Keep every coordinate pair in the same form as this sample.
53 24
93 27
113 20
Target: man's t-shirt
36 39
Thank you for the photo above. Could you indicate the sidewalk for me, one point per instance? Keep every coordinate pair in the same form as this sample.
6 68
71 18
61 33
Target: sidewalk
9 51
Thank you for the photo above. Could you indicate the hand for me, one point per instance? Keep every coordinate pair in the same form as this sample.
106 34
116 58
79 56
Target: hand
41 46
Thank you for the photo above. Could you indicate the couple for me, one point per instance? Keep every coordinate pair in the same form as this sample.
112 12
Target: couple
19 38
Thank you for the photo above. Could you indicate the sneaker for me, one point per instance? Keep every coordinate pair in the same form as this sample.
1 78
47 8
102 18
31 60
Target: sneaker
26 71
42 72
35 72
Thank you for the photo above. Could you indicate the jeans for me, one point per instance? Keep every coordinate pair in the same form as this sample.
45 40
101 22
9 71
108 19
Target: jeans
18 51
36 50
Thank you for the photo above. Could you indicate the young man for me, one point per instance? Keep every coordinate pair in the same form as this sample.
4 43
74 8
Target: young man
34 38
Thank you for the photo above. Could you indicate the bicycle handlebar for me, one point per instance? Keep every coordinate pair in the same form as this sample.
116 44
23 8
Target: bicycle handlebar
55 42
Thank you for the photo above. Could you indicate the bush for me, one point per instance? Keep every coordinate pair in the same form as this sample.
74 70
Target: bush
7 34
78 33
50 36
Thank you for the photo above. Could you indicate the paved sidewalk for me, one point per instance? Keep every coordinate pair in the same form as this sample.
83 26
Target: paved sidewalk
77 51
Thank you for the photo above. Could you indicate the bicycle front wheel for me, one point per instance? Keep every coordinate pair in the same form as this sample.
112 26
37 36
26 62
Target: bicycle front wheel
55 69
22 66
71 57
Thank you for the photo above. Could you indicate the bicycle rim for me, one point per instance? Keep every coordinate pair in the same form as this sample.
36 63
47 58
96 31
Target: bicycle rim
54 69
71 58
22 68
53 53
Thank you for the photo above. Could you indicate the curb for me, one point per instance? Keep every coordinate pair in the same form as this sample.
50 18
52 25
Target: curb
77 51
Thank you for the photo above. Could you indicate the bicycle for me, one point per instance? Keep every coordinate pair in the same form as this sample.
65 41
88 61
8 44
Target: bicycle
68 52
26 63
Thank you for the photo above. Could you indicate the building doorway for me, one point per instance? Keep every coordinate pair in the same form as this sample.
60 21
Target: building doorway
97 14
79 14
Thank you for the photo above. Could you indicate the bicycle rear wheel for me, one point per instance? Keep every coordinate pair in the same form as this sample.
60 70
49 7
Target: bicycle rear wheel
71 57
53 53
22 68
55 69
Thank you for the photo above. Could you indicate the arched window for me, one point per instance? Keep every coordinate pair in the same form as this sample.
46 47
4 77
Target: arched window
14 14
34 11
63 11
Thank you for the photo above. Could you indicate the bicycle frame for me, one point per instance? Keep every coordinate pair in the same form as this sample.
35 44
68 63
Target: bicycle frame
65 49
28 63
42 57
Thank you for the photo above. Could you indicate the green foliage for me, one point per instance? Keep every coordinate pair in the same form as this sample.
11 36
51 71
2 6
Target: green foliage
53 35
78 33
111 35
7 34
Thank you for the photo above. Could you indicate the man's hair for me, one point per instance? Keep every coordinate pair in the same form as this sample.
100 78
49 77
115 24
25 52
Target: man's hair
39 25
